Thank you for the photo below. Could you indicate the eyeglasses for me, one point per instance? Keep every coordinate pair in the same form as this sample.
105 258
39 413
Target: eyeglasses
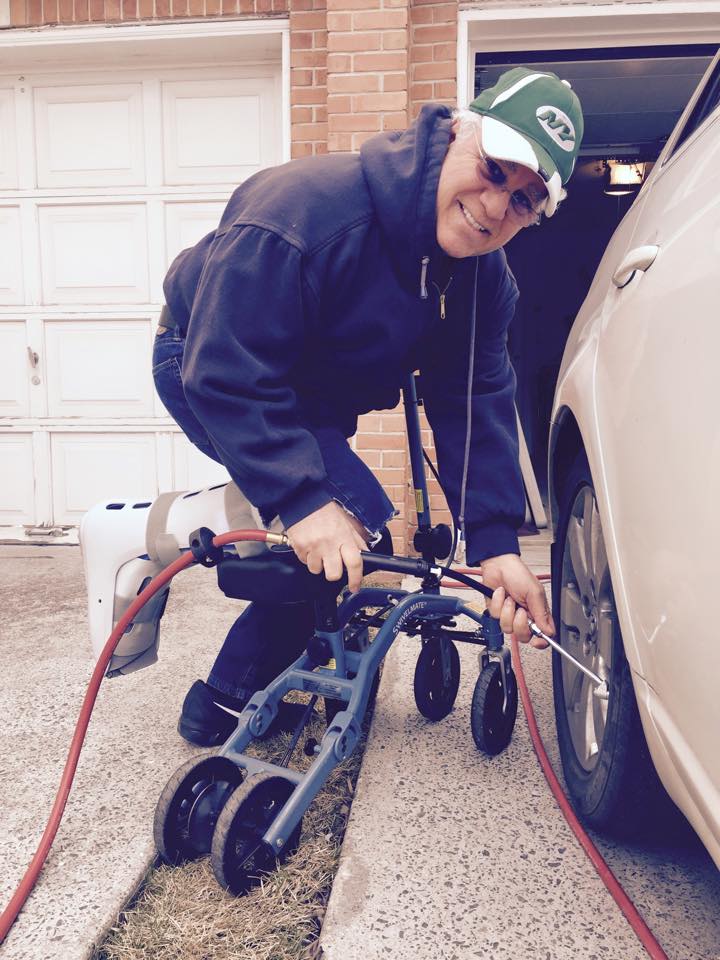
521 208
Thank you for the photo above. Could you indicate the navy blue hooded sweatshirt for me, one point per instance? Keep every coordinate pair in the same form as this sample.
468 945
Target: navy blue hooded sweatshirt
309 306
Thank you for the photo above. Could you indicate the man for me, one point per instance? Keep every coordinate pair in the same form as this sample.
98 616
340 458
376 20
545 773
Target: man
328 280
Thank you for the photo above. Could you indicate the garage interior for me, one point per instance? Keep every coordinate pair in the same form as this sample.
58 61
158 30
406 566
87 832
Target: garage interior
632 99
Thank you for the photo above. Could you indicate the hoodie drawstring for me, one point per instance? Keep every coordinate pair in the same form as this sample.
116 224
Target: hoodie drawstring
423 277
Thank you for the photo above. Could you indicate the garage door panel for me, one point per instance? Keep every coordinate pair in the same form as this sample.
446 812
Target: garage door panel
217 131
88 468
8 148
17 479
192 469
99 368
14 375
89 136
11 274
94 254
186 223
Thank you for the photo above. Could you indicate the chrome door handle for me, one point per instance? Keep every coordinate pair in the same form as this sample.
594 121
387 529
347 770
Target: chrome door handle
641 258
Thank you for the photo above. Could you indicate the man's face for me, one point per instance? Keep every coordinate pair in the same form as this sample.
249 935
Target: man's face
465 195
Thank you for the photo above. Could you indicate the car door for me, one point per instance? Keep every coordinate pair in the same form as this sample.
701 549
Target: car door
658 406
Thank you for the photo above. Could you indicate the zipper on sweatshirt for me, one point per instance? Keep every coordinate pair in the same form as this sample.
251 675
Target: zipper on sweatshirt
441 294
423 277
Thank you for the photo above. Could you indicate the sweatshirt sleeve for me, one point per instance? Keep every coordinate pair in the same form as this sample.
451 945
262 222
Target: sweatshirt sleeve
495 497
248 327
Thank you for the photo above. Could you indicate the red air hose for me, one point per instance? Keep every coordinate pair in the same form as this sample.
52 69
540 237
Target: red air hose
9 915
27 883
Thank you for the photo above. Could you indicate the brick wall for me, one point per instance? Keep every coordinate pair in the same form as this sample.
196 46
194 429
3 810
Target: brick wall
31 13
308 77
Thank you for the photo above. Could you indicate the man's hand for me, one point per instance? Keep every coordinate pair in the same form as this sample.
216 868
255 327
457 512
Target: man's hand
328 540
514 584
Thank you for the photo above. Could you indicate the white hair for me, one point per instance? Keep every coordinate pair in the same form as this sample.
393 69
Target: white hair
470 123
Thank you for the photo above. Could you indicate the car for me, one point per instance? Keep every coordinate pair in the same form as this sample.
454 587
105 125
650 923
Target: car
633 490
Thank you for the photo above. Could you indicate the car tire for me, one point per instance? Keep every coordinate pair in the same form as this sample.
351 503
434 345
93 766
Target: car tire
608 770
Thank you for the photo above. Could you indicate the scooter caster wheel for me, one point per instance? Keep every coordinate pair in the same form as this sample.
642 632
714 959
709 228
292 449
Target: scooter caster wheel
189 806
435 692
239 855
492 718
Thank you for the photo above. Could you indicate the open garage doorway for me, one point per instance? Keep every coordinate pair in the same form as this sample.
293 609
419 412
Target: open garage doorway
632 98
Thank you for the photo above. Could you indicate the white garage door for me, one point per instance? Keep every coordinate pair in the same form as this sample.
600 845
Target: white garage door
103 180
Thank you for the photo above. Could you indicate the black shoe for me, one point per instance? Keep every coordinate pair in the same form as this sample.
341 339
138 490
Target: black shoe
204 722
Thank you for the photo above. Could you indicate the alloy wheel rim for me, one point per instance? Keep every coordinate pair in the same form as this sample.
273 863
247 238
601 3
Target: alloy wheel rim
587 626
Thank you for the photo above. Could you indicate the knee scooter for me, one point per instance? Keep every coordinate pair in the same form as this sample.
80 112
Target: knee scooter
246 812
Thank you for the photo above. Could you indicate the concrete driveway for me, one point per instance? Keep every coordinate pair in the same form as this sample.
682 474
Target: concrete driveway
449 856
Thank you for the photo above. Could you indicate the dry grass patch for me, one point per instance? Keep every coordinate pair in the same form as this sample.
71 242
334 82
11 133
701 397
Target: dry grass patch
181 912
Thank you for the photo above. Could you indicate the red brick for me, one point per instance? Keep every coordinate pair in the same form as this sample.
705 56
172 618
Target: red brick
320 39
320 114
358 139
18 13
97 10
339 142
421 15
128 9
300 149
298 5
445 90
444 51
309 131
321 147
305 58
421 91
366 62
395 40
307 20
112 10
443 70
342 5
261 6
350 42
394 81
300 96
320 77
301 114
50 11
395 3
445 13
301 41
371 458
379 19
339 103
393 458
351 123
65 11
421 54
379 441
339 21
366 102
34 12
80 11
435 34
229 6
354 83
339 63
301 78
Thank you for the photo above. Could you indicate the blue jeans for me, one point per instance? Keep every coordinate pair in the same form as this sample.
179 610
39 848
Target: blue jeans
266 639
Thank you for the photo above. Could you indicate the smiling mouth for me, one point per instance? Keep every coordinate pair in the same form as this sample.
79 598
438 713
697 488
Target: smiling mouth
472 221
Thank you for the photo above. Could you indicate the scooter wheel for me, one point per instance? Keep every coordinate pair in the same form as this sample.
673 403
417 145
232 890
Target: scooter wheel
189 806
239 855
492 723
434 692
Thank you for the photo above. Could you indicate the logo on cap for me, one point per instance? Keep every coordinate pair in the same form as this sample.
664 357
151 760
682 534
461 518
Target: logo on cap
558 126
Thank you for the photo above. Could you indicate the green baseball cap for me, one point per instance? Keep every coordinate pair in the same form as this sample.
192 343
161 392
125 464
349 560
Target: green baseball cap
534 119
